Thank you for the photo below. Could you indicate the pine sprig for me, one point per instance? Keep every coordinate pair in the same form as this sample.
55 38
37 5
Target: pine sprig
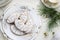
53 21
50 13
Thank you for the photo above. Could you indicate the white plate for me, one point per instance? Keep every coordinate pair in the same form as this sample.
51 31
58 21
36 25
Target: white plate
6 26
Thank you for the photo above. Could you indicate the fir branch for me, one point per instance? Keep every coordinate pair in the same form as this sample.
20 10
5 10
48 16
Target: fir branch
53 21
50 13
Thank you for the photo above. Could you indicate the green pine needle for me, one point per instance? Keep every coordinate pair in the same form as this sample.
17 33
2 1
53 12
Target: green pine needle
50 13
